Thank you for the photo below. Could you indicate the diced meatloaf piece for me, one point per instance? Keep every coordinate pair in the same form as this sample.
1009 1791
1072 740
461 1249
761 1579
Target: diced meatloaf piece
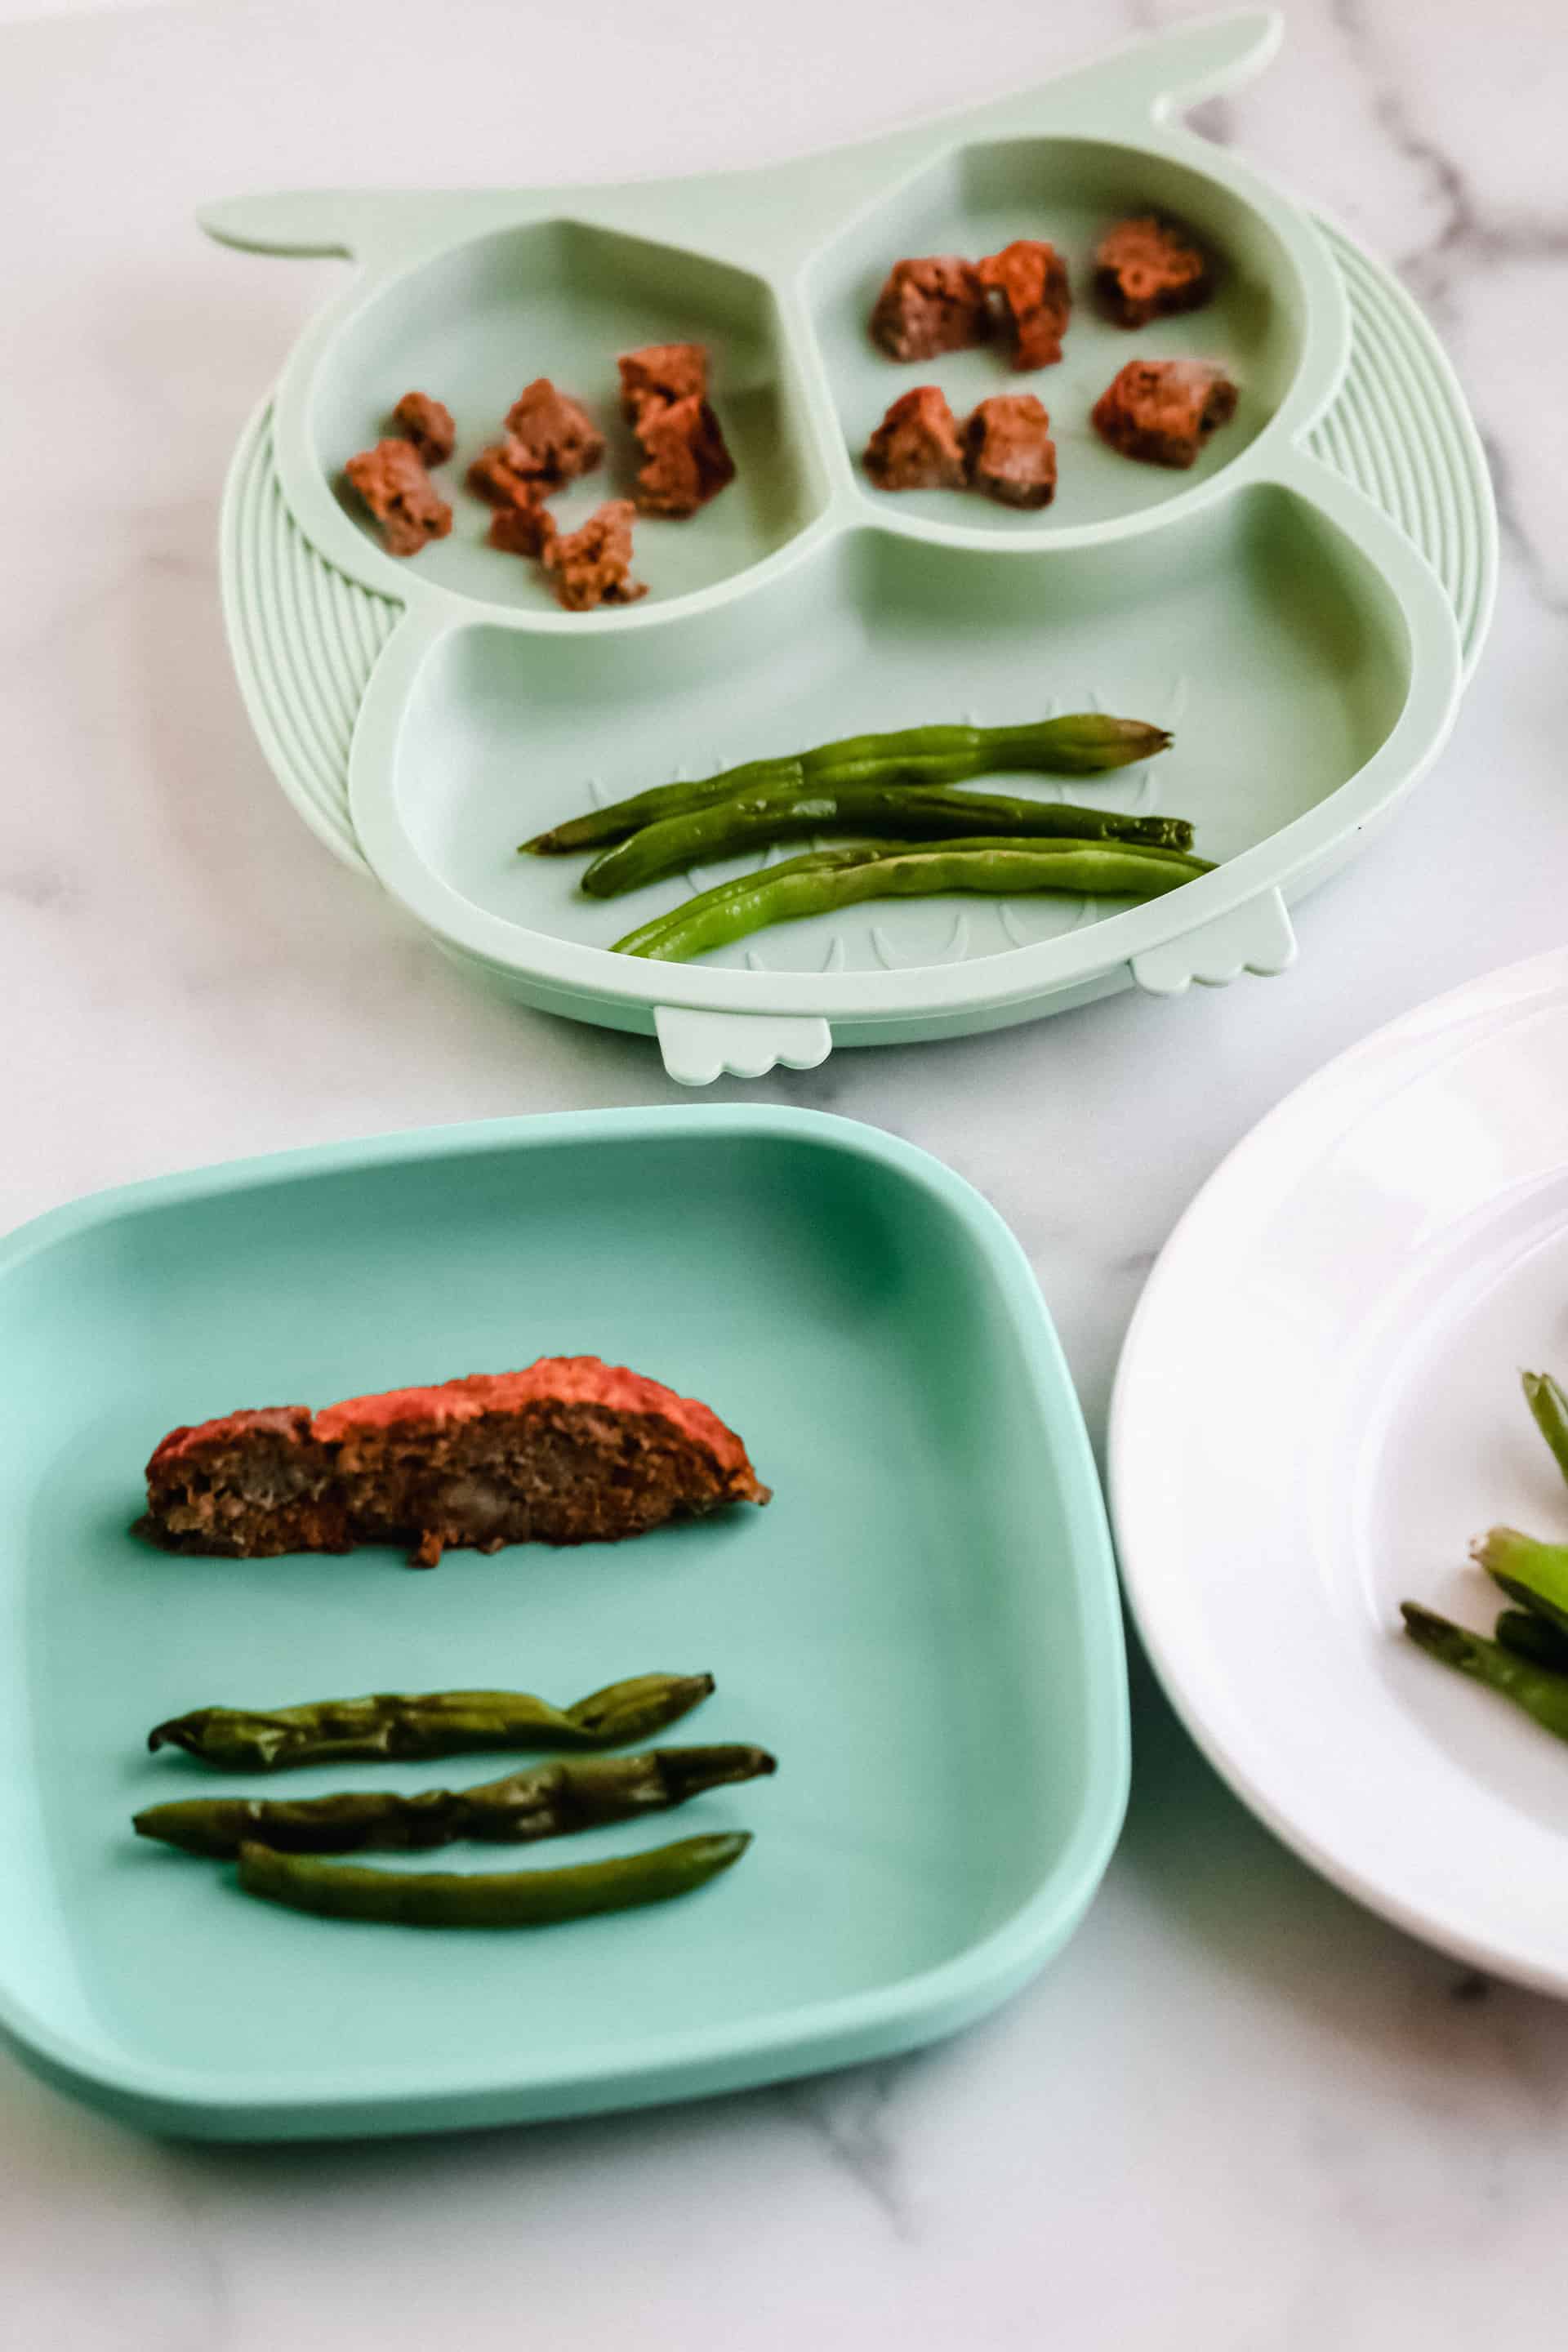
392 480
1149 268
428 424
687 460
570 1450
594 565
916 447
662 374
1164 410
527 528
1032 280
1011 453
558 436
505 475
930 305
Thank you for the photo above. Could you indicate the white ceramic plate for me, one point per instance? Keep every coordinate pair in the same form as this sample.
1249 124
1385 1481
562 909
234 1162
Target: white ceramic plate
1317 1408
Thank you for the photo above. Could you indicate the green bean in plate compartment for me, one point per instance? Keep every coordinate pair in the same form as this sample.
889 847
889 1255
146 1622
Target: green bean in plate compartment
520 1898
1082 743
389 1727
555 1799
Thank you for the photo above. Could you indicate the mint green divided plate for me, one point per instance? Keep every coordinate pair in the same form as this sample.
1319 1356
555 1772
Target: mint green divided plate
923 1625
1301 607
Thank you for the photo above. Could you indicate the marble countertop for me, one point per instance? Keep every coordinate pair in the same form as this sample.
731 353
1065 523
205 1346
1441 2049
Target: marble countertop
1238 2111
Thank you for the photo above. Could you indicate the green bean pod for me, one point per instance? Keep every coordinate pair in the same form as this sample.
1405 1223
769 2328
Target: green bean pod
1533 1637
1543 1694
1549 1408
1533 1574
1084 744
519 1898
823 881
388 1726
555 1800
752 821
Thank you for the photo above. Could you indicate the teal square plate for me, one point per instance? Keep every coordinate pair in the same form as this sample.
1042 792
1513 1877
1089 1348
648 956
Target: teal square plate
923 1625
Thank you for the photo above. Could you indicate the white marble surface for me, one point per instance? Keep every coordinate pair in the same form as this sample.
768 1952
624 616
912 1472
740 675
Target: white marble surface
1238 2111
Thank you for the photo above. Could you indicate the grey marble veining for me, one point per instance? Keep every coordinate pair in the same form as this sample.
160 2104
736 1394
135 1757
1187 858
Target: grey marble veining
1237 2113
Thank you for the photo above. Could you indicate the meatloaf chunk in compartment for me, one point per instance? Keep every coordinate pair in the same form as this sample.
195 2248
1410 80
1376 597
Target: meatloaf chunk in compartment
1032 280
526 527
916 447
594 565
662 374
558 438
1011 453
428 424
686 461
1149 268
570 1450
392 480
1163 411
928 306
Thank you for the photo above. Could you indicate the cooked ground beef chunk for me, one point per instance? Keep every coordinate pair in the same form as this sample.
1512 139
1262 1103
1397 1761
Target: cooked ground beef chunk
662 374
1164 410
1011 453
392 480
571 1451
594 565
504 475
930 305
1032 280
916 447
686 462
527 528
428 424
1148 269
558 438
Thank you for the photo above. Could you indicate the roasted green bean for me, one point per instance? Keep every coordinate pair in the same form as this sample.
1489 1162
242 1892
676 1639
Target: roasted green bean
826 880
548 1801
391 1728
1533 1637
1540 1693
1533 1574
753 821
1086 743
522 1898
1549 1407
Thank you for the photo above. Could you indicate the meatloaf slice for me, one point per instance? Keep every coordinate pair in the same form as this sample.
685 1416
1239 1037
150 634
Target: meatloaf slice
570 1450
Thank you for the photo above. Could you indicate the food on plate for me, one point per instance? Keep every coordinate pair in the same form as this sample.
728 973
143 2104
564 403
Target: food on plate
1549 1410
1163 411
660 374
525 528
569 1451
520 1898
1532 1573
1151 267
685 459
593 565
428 424
917 445
557 437
664 396
752 820
1538 1690
1011 454
1526 1660
1533 1637
826 880
500 475
1036 294
1079 744
547 1801
928 306
392 480
391 1726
